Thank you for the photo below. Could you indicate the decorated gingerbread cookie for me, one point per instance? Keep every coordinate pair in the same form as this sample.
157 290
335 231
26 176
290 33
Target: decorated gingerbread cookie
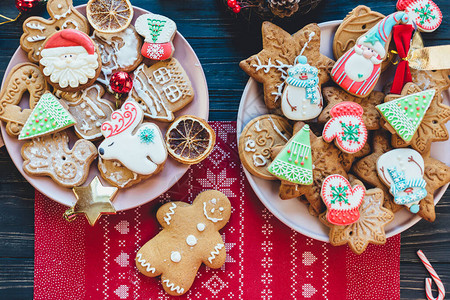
190 237
25 77
259 136
346 127
301 99
138 146
402 170
358 70
48 116
37 29
50 156
70 60
158 32
424 13
162 89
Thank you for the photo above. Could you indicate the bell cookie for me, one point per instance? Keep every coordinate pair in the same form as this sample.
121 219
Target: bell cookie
161 89
25 77
50 156
70 60
280 49
37 29
259 136
189 237
89 110
371 116
119 52
158 32
138 146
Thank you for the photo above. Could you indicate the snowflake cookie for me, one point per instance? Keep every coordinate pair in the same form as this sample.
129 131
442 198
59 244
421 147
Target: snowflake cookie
190 237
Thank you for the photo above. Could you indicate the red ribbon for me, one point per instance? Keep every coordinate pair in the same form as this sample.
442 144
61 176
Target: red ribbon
402 39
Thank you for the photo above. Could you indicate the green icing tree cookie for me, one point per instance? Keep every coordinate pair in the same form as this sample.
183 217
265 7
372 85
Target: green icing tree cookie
406 113
294 162
48 116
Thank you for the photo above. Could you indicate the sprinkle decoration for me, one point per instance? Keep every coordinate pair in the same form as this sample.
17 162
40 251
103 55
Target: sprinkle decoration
435 277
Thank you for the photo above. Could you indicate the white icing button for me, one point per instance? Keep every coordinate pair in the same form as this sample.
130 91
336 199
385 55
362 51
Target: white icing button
213 200
191 240
200 226
221 208
175 256
212 210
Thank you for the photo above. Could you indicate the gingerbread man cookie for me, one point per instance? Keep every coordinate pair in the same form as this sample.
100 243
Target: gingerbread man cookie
37 29
190 237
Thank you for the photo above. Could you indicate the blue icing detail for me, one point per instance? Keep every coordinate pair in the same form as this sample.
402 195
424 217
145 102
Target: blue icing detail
414 208
310 85
400 185
146 135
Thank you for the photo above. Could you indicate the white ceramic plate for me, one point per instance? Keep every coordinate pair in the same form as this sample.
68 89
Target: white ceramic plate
148 189
292 212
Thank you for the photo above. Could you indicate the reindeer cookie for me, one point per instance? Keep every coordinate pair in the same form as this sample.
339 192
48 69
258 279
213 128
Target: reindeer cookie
23 78
137 146
37 29
190 237
50 156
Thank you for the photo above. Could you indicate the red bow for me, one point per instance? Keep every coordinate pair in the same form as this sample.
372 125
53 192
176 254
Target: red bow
402 39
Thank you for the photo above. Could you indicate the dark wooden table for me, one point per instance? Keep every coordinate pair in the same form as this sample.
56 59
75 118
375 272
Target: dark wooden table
220 41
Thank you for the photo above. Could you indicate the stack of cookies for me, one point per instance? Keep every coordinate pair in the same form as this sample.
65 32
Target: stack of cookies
72 58
354 155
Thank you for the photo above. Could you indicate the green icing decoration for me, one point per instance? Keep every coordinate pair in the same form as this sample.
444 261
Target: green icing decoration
155 27
294 162
425 13
47 116
339 194
350 132
406 113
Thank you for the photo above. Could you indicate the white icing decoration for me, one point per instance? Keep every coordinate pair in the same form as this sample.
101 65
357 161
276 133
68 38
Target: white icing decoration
85 126
35 26
280 67
59 6
172 287
169 214
191 240
212 210
63 15
128 146
257 126
175 256
250 145
277 130
144 263
259 160
213 200
214 220
67 22
35 38
408 159
165 34
221 208
215 252
200 227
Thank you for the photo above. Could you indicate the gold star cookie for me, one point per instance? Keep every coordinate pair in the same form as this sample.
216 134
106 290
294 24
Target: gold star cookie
279 52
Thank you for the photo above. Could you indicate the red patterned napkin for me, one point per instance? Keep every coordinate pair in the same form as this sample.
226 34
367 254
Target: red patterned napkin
265 259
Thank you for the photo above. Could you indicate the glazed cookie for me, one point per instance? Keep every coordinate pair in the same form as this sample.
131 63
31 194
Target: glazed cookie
280 50
162 89
358 70
70 60
158 32
137 146
257 139
89 110
371 116
37 29
119 52
48 116
25 77
50 156
189 237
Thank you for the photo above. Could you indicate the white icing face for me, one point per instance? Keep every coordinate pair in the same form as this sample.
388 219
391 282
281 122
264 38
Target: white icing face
191 240
212 211
175 256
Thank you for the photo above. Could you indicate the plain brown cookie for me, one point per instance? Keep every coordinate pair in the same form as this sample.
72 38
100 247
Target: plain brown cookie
189 237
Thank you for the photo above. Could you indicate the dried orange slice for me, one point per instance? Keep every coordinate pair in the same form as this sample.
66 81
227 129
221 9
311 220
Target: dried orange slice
190 139
109 16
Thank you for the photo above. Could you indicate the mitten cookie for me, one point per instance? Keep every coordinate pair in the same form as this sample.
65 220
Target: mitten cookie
190 237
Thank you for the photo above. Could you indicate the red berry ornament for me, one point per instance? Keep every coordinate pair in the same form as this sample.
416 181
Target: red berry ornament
121 82
237 8
25 5
231 3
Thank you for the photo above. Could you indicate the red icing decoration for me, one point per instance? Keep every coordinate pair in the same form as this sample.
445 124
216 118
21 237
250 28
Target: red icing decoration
120 119
71 38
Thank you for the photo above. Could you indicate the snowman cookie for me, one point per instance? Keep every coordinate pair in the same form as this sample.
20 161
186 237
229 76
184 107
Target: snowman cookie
190 237
301 99
402 170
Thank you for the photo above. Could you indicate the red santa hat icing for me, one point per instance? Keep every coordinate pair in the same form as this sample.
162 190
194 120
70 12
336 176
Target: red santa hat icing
73 41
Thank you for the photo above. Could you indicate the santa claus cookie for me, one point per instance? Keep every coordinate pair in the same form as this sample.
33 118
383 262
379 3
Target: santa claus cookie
158 32
190 237
70 60
358 70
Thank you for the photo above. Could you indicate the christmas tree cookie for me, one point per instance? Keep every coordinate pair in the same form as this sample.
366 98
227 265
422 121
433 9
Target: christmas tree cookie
294 162
48 116
405 114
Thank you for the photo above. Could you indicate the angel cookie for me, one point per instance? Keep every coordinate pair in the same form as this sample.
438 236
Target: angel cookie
161 89
37 29
190 237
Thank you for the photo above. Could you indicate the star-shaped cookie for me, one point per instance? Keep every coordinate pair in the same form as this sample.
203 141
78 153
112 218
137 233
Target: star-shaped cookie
371 116
279 52
369 229
431 129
